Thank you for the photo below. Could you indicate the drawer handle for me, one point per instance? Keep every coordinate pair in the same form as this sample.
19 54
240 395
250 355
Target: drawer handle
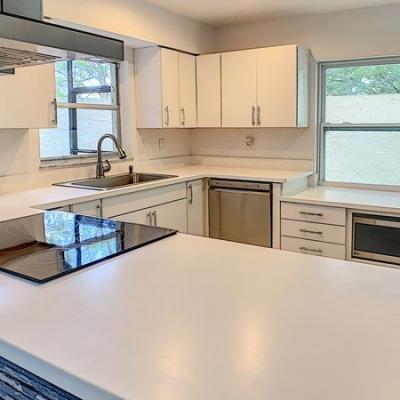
311 214
319 251
312 232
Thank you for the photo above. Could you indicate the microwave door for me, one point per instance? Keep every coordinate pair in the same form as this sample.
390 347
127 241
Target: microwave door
376 238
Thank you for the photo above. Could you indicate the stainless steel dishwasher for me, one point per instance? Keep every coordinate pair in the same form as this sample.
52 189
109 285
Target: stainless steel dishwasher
240 211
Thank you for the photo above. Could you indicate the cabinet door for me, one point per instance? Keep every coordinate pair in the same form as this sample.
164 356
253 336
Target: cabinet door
28 98
196 208
239 88
171 215
91 208
170 88
142 217
208 90
277 86
187 90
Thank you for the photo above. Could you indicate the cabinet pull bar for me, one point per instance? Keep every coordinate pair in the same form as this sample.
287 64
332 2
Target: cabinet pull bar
313 232
166 116
258 115
148 216
253 116
183 116
154 214
319 251
311 214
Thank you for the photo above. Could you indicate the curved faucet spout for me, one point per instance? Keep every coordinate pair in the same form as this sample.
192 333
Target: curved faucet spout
103 167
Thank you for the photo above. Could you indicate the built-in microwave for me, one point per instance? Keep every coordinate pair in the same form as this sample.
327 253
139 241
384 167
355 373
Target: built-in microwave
376 238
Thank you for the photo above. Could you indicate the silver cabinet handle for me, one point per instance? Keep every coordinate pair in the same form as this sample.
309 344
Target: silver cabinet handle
253 116
183 116
148 216
318 251
311 214
190 198
166 116
258 115
312 232
154 214
54 120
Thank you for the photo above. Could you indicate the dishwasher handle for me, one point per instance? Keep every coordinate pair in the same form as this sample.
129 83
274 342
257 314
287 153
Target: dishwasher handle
241 191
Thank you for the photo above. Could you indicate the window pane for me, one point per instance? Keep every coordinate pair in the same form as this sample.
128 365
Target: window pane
62 81
363 94
92 124
368 157
55 142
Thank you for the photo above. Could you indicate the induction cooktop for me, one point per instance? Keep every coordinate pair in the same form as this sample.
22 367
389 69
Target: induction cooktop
47 246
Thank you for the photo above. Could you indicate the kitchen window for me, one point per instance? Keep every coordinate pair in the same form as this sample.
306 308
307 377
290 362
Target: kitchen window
87 98
360 123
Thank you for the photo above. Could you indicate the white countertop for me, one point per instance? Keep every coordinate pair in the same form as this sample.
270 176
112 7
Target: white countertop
358 199
14 205
196 318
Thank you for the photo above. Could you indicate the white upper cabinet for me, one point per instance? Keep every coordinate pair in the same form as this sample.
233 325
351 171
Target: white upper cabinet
239 88
208 90
187 90
170 88
165 88
27 99
281 77
265 87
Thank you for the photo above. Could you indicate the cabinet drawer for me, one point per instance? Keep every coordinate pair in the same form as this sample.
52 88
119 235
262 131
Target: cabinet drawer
127 203
312 213
314 231
313 247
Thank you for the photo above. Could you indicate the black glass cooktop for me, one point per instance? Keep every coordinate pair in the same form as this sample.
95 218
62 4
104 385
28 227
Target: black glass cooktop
47 246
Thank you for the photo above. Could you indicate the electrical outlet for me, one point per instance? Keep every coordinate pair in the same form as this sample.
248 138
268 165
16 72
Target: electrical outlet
161 144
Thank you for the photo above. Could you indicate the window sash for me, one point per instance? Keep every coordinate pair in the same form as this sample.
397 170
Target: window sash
73 106
323 126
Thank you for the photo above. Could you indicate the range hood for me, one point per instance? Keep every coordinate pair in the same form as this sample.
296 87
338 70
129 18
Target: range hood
27 40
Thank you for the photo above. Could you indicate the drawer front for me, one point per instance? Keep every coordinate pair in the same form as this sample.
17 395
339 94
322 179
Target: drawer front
127 203
314 231
313 247
311 213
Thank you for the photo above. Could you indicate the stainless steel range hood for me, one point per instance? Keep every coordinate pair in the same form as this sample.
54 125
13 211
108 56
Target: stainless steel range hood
27 40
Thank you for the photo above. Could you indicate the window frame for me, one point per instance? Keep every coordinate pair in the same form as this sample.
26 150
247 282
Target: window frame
323 126
86 154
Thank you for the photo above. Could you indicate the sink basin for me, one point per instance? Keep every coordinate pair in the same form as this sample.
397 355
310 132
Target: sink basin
115 181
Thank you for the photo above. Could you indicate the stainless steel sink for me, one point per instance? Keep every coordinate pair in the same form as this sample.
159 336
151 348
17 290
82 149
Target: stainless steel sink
115 181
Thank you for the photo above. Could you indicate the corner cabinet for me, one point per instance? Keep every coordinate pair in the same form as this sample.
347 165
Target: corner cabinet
28 98
266 87
165 88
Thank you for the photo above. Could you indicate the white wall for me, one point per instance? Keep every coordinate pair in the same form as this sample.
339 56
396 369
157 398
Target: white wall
341 35
351 34
137 19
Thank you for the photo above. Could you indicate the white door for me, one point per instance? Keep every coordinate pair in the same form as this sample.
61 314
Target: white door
196 208
171 215
91 208
187 90
239 88
142 217
277 86
208 90
27 99
170 88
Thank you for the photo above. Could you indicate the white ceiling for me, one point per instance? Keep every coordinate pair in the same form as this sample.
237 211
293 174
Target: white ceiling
227 12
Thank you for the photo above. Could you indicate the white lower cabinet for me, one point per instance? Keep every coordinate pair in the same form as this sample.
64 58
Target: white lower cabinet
169 215
90 208
313 247
197 207
313 229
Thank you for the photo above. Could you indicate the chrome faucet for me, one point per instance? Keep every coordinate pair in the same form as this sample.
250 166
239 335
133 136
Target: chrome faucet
105 166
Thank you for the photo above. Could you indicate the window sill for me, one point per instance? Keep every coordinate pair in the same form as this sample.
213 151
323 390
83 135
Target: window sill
78 161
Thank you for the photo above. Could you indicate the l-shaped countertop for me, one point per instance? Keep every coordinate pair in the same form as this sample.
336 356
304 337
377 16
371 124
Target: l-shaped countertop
194 318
